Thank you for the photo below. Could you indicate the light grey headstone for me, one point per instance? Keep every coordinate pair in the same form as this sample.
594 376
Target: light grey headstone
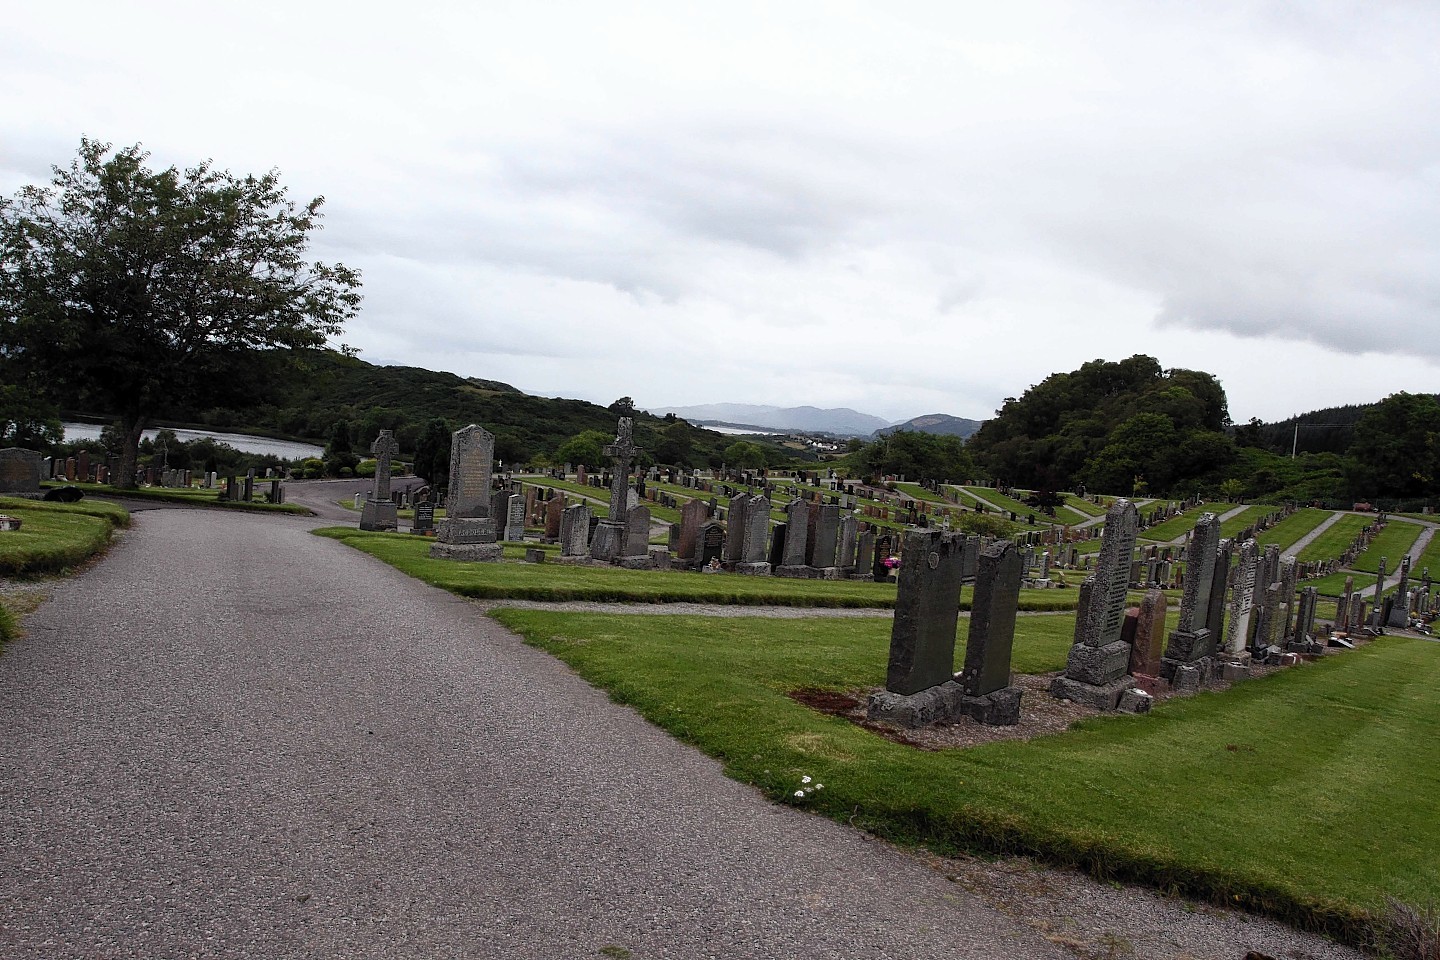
637 532
1105 613
757 528
472 456
797 526
1242 600
575 531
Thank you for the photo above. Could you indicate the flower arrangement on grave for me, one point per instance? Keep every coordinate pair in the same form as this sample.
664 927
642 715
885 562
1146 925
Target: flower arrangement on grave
890 563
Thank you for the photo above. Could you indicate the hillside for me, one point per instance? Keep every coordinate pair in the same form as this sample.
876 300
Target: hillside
840 421
941 424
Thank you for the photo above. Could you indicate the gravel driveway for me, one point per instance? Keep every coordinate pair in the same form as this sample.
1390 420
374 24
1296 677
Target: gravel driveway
233 739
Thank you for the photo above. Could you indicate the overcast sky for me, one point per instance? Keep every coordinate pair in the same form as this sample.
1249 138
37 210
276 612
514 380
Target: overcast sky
903 208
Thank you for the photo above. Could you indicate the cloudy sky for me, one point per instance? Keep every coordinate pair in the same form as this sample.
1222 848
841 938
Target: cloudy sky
902 208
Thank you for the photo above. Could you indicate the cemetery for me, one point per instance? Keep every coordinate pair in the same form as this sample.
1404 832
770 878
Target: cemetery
1164 610
992 686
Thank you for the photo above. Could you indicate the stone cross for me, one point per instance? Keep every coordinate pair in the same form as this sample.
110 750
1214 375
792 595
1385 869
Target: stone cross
622 454
384 449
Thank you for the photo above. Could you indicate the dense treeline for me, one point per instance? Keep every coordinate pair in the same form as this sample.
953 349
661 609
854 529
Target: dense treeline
1132 427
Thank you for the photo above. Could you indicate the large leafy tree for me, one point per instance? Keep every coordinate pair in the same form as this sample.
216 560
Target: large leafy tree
1396 451
130 289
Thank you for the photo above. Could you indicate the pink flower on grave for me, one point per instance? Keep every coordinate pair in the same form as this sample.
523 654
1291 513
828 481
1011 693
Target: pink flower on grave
890 563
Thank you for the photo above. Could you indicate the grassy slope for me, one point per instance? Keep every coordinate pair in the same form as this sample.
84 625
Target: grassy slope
1285 533
1231 795
1177 527
1392 543
53 536
1330 544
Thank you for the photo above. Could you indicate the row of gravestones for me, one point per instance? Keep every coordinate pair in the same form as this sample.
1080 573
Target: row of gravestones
1119 656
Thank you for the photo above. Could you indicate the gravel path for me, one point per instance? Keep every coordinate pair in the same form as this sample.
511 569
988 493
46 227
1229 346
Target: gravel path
233 739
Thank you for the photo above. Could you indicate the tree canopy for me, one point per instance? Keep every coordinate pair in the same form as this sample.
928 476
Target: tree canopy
124 288
1126 426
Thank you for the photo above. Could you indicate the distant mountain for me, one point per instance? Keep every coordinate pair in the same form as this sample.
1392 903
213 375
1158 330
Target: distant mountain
841 421
941 423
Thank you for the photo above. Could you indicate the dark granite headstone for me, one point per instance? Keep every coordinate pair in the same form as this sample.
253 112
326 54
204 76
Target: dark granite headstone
927 609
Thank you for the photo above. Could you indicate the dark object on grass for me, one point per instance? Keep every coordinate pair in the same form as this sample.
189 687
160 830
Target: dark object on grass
65 494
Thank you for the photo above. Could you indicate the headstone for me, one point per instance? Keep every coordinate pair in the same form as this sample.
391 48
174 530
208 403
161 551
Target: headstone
1149 635
797 538
575 531
379 512
694 513
826 536
989 696
845 544
19 473
1095 673
1192 639
737 520
515 518
554 510
865 553
424 521
469 530
1400 611
637 535
609 540
710 545
1375 620
753 558
1242 600
927 610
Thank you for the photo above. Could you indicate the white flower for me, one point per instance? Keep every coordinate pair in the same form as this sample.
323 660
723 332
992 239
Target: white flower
819 786
800 793
804 779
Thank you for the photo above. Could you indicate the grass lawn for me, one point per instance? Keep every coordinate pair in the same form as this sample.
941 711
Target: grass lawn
54 536
1233 796
1233 527
554 581
1429 558
1392 543
193 496
1177 527
1082 506
1285 533
1333 542
1334 584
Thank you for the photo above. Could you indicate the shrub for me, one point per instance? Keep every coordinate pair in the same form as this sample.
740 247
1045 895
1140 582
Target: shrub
1409 933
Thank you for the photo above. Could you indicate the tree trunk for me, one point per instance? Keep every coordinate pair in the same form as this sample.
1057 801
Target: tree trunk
131 429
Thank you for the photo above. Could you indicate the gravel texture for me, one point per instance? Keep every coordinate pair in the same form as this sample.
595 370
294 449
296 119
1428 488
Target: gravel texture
233 739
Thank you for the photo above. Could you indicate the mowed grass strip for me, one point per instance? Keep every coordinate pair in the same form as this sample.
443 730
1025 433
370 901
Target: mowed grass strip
190 496
1288 531
54 536
1336 539
607 584
1232 527
1177 527
1392 543
1304 795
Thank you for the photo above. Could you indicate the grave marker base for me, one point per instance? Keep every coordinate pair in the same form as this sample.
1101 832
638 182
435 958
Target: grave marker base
944 703
753 569
379 515
1100 696
1098 665
471 552
794 571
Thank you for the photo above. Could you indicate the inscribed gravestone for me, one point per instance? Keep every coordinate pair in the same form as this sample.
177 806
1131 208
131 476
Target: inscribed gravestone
472 455
757 527
1149 635
637 532
575 531
1242 599
19 472
1192 638
692 515
379 512
927 610
554 510
826 532
797 535
992 620
738 521
515 518
1095 670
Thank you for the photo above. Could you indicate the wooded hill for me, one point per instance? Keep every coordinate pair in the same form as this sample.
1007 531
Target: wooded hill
332 388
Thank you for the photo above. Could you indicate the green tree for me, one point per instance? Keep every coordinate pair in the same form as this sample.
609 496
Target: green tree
676 442
744 455
1396 450
586 447
26 420
432 453
128 289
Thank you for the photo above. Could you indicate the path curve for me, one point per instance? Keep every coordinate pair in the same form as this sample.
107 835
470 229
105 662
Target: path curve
234 739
